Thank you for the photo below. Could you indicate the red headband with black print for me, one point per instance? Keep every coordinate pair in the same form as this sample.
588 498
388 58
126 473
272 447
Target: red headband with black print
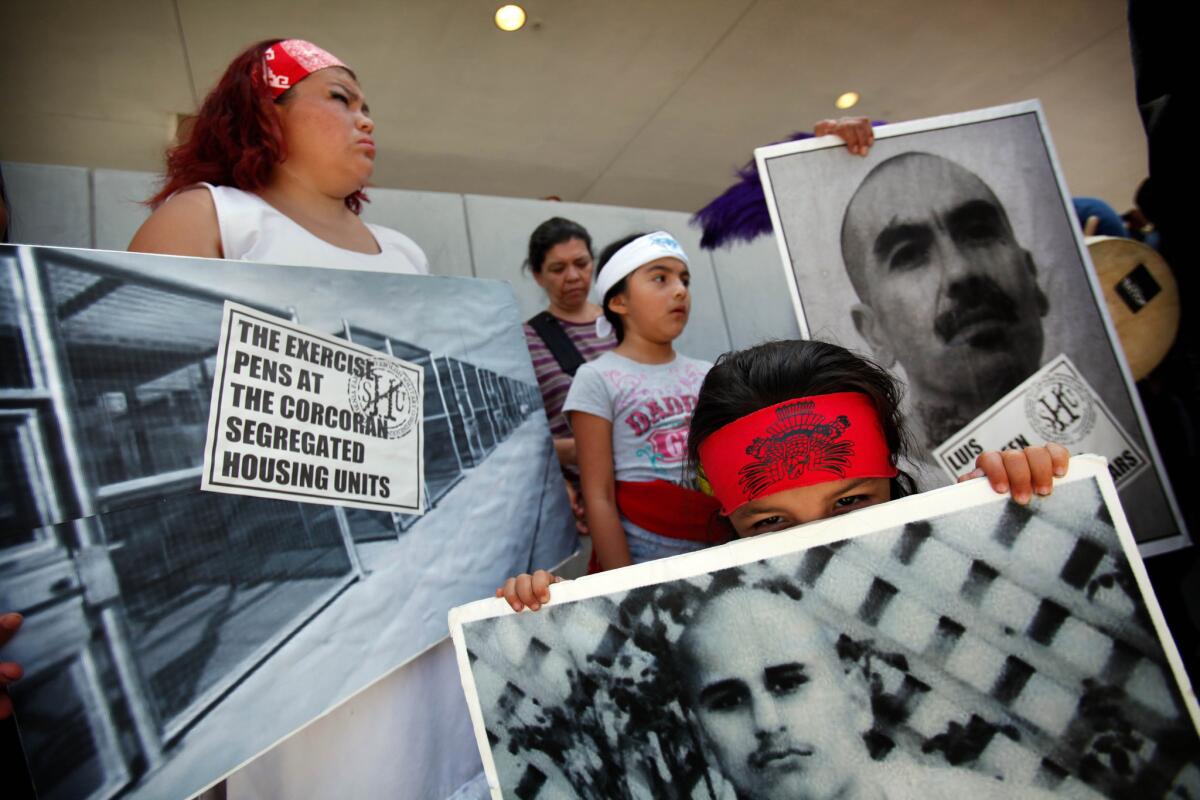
288 62
799 442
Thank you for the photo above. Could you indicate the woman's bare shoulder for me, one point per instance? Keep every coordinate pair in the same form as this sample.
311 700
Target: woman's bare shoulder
185 225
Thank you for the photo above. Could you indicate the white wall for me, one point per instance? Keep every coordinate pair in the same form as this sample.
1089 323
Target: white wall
739 295
49 205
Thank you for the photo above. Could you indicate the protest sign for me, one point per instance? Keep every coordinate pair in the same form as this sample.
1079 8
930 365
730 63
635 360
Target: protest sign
1055 404
171 634
299 415
950 644
952 256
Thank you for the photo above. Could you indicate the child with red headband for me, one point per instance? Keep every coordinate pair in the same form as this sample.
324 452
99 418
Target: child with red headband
630 407
790 432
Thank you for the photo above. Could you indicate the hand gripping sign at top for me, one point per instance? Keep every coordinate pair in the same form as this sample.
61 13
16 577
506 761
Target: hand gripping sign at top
951 255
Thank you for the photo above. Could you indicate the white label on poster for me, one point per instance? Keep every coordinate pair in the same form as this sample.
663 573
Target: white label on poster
300 415
1055 404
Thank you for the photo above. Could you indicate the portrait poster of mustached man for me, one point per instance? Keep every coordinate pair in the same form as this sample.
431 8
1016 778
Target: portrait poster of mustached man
951 255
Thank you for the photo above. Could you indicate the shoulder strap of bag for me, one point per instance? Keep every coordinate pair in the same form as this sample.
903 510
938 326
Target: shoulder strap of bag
561 347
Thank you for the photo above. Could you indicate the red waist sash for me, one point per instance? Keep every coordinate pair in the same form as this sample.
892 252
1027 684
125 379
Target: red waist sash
668 509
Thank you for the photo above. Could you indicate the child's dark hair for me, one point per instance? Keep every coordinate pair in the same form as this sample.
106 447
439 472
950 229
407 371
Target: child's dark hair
606 255
745 381
553 231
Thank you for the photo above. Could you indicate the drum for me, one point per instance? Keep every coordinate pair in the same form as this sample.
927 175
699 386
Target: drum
1142 299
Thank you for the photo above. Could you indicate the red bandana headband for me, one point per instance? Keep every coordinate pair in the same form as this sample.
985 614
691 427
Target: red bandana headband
799 442
288 62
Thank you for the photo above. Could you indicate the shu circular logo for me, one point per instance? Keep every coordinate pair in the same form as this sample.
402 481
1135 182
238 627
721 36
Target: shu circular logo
1061 409
388 393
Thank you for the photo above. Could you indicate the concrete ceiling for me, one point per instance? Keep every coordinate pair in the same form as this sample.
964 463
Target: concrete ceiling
648 103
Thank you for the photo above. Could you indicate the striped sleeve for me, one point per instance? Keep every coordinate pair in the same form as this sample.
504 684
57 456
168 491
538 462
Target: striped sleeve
552 382
551 379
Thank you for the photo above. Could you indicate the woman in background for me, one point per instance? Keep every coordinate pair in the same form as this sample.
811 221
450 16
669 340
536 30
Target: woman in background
563 337
561 260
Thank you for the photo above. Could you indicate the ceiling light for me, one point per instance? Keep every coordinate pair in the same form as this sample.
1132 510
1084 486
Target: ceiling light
510 18
847 100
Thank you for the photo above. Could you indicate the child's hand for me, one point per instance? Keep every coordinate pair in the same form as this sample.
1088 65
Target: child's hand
856 132
528 591
1023 472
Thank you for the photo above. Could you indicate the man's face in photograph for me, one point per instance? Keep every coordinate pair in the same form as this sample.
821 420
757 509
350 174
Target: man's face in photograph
946 289
770 698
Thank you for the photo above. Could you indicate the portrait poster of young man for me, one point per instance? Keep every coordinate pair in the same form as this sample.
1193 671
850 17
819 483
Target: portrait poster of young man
950 644
950 255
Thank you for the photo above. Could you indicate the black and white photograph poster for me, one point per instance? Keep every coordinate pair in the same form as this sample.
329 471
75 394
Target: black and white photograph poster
952 644
172 634
951 255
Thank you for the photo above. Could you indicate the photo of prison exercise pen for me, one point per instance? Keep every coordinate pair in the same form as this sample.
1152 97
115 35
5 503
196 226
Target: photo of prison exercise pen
166 597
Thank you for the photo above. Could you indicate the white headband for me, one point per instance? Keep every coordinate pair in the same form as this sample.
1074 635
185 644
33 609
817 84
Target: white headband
639 252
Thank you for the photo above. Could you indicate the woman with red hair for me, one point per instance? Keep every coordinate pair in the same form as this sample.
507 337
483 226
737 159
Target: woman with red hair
273 168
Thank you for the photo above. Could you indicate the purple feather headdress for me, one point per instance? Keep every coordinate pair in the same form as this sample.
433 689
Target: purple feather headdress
739 214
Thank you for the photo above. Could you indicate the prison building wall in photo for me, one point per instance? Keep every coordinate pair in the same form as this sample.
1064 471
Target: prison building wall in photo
1030 658
165 596
451 424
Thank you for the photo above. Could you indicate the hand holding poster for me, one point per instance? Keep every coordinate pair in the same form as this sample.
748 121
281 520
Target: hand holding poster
946 645
300 415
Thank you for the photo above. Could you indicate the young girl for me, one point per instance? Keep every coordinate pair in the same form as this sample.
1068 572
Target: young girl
790 432
629 409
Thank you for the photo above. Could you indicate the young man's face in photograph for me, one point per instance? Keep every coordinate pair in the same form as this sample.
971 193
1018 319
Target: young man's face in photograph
770 698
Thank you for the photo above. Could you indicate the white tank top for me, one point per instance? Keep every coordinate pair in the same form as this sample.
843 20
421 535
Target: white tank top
254 230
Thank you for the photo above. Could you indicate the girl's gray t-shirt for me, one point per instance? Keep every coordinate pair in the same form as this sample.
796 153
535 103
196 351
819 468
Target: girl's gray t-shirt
650 407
